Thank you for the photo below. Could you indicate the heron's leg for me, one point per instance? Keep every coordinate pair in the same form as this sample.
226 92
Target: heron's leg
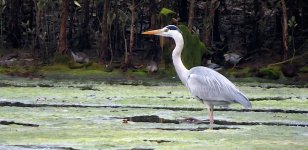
211 116
234 65
210 109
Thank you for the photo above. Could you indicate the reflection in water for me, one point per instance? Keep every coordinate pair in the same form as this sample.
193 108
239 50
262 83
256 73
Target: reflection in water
157 119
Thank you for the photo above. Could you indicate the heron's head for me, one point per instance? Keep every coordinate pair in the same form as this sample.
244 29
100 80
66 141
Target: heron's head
167 31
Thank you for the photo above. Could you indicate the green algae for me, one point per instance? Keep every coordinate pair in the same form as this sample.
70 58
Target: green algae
105 128
128 136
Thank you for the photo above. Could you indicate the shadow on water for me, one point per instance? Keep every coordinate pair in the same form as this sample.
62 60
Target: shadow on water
142 149
151 119
156 119
35 147
48 147
18 123
19 104
224 123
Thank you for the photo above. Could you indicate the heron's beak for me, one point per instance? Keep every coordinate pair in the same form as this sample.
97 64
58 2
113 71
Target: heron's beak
155 32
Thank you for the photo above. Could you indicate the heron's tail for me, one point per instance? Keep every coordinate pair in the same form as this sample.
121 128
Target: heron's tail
73 53
242 99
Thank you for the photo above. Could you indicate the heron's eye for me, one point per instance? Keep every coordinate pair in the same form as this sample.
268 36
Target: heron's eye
166 30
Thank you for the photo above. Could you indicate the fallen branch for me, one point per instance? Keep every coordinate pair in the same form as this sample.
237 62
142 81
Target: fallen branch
285 61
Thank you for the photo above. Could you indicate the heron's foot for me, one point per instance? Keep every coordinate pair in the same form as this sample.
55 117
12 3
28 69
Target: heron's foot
211 124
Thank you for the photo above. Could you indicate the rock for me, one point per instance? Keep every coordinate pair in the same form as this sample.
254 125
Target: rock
10 56
290 70
8 63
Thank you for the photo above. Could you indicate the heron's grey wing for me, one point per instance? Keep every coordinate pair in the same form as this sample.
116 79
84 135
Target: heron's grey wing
208 85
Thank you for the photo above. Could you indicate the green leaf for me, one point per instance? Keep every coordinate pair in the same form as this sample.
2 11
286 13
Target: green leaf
166 12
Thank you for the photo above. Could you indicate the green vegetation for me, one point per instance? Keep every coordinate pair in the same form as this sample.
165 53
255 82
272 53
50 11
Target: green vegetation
193 49
304 69
166 16
61 59
271 72
18 70
167 13
240 73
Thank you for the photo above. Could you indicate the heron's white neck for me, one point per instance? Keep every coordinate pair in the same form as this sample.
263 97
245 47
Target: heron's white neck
176 58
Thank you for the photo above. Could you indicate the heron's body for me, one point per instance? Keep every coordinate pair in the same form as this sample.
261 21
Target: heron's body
207 85
219 90
80 57
213 66
233 58
152 66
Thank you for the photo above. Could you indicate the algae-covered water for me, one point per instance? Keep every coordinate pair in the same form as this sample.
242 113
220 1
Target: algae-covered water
75 114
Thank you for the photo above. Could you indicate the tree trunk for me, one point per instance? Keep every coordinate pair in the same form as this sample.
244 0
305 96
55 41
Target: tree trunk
132 32
284 29
191 15
153 25
153 15
38 26
14 33
63 25
182 5
104 30
84 37
71 26
209 22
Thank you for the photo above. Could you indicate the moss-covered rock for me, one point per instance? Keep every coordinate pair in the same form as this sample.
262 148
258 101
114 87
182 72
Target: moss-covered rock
241 73
140 73
271 72
18 70
304 69
193 48
61 59
73 65
2 69
166 45
95 66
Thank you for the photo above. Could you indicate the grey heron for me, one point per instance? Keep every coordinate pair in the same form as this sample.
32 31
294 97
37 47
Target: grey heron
152 66
80 57
233 58
205 84
214 66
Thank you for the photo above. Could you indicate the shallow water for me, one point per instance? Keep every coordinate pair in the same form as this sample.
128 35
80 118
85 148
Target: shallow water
75 114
